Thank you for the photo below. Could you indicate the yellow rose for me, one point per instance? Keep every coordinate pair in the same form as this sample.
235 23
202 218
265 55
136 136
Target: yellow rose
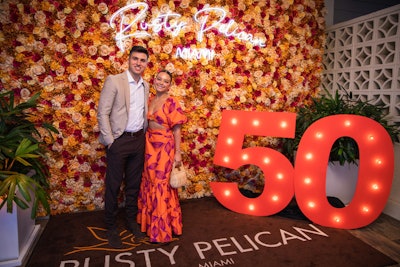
95 17
68 10
71 141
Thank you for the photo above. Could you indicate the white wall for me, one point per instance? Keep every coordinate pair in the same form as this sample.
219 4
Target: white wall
393 205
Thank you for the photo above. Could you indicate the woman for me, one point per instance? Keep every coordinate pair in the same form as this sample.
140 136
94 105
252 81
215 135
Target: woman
160 213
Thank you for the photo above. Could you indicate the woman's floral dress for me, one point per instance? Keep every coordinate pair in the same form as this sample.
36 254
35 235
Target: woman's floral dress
159 212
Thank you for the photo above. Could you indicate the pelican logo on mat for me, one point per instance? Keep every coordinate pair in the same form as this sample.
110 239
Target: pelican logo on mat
122 255
100 242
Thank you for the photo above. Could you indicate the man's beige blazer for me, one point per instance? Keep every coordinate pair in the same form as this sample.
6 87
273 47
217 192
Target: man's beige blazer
113 109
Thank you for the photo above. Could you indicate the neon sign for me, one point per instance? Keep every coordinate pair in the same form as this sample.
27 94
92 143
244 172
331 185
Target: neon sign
228 29
132 24
189 53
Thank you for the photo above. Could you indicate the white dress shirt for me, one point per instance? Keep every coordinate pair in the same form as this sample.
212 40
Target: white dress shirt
136 108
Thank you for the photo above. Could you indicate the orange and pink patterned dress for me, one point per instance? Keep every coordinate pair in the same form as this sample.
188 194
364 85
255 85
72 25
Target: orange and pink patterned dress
160 213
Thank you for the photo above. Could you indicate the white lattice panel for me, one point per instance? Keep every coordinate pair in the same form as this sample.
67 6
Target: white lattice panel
363 56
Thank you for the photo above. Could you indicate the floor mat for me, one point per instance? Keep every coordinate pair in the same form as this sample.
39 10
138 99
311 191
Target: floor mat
212 236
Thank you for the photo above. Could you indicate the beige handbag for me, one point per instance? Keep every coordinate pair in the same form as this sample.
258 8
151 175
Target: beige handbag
178 176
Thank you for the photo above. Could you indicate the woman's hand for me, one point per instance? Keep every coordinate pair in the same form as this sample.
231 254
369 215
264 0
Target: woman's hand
178 158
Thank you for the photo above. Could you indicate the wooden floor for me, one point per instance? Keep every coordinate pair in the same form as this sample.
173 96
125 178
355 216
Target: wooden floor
384 235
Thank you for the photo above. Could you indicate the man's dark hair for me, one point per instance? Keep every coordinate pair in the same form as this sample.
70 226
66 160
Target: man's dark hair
139 49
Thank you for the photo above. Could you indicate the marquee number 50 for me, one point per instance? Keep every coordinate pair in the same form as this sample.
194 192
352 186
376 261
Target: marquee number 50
308 179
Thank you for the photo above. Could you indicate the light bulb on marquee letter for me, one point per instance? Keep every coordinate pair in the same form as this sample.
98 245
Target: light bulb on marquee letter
376 160
277 169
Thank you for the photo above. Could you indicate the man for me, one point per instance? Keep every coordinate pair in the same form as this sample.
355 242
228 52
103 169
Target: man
122 121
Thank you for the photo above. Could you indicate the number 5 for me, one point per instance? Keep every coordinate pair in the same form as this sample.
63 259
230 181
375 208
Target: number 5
278 171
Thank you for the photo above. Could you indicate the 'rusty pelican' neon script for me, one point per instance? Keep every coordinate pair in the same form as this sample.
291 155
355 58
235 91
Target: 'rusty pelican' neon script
133 16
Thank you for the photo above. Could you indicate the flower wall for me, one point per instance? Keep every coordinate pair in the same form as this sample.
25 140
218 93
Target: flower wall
65 49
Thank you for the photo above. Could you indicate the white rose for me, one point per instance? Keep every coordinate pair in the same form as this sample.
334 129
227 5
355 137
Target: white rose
168 48
100 75
91 67
103 8
61 15
80 25
40 17
104 50
38 70
104 27
60 71
61 48
48 80
73 78
76 117
92 50
25 93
